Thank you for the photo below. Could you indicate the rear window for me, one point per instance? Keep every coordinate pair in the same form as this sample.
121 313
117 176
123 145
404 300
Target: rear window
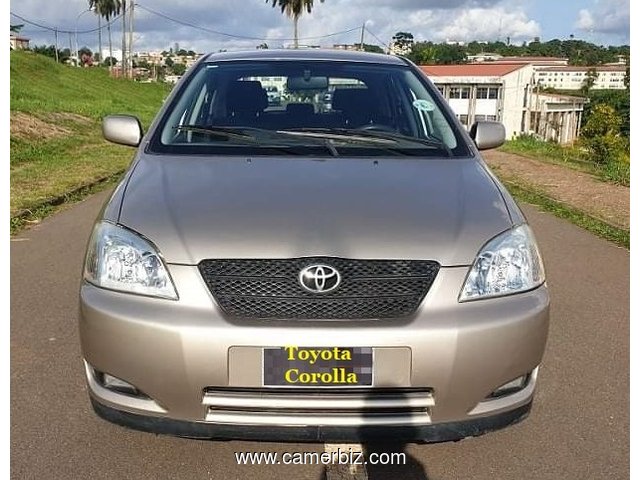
315 107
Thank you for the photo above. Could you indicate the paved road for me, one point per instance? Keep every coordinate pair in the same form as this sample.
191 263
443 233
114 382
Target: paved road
578 428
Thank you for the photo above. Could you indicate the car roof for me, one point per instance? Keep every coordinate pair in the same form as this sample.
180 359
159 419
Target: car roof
306 54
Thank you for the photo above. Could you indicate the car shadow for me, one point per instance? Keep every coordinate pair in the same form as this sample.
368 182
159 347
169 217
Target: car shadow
385 452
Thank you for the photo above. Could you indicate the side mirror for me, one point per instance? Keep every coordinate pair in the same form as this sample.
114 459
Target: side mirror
122 129
488 134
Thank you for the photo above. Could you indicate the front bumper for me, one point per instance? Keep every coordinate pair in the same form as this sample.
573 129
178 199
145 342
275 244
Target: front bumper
445 361
431 433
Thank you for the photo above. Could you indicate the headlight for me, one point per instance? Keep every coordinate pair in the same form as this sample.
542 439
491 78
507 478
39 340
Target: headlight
120 259
509 263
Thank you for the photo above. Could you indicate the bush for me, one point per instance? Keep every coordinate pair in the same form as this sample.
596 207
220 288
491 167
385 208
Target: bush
603 149
601 135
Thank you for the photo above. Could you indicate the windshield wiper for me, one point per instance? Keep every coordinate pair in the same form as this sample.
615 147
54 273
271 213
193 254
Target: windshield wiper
226 132
368 135
429 142
240 133
341 134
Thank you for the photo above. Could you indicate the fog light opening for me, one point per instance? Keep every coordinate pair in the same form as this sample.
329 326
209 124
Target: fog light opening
509 388
118 385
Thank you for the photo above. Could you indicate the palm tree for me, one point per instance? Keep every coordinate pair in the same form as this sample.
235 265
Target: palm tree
107 9
293 9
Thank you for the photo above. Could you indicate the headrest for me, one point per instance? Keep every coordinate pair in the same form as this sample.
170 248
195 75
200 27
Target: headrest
353 99
246 96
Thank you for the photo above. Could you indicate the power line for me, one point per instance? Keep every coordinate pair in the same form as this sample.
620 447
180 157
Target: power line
376 37
231 35
191 25
53 29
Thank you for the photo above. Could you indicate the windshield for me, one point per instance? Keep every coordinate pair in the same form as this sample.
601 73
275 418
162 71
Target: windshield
307 108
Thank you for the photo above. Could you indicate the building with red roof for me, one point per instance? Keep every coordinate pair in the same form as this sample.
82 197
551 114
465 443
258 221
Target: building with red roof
506 92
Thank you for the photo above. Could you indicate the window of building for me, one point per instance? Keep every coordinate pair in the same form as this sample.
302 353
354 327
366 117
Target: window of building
491 118
487 92
464 119
459 92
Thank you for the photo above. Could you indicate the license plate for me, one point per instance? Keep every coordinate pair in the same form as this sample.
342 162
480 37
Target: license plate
317 367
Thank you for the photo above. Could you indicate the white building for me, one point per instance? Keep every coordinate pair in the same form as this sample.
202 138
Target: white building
18 42
506 93
573 78
535 61
173 79
152 58
483 57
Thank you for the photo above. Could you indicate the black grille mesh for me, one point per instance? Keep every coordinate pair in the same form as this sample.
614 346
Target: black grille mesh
266 288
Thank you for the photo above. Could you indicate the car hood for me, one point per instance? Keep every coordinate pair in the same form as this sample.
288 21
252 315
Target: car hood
197 207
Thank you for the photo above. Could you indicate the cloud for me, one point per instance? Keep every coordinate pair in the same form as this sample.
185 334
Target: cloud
431 4
585 20
437 20
486 24
609 17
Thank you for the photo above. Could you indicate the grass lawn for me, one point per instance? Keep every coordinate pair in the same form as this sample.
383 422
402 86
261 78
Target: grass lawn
528 194
571 157
56 140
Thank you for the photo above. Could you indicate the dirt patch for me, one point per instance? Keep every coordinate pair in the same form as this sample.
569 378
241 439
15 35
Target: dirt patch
69 117
28 127
605 201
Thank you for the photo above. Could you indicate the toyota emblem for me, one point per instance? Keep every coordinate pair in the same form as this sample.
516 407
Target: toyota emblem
319 278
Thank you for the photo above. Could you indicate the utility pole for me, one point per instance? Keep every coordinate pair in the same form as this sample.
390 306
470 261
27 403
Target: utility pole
362 37
99 39
70 46
56 32
123 66
131 39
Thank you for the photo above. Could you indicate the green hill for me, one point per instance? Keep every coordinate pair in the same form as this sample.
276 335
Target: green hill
56 142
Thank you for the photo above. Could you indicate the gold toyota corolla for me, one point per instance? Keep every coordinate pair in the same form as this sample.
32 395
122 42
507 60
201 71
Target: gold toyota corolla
337 265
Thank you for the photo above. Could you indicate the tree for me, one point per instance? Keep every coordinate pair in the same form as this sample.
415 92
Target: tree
262 46
619 100
109 61
601 135
179 69
64 54
107 9
627 77
450 54
293 9
47 51
16 28
589 80
402 43
168 62
85 56
372 48
423 53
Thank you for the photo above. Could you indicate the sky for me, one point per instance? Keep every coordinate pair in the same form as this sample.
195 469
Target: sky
604 22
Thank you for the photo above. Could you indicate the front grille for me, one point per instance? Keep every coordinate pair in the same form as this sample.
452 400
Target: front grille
376 406
269 288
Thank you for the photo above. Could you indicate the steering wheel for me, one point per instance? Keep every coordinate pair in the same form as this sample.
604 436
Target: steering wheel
377 126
